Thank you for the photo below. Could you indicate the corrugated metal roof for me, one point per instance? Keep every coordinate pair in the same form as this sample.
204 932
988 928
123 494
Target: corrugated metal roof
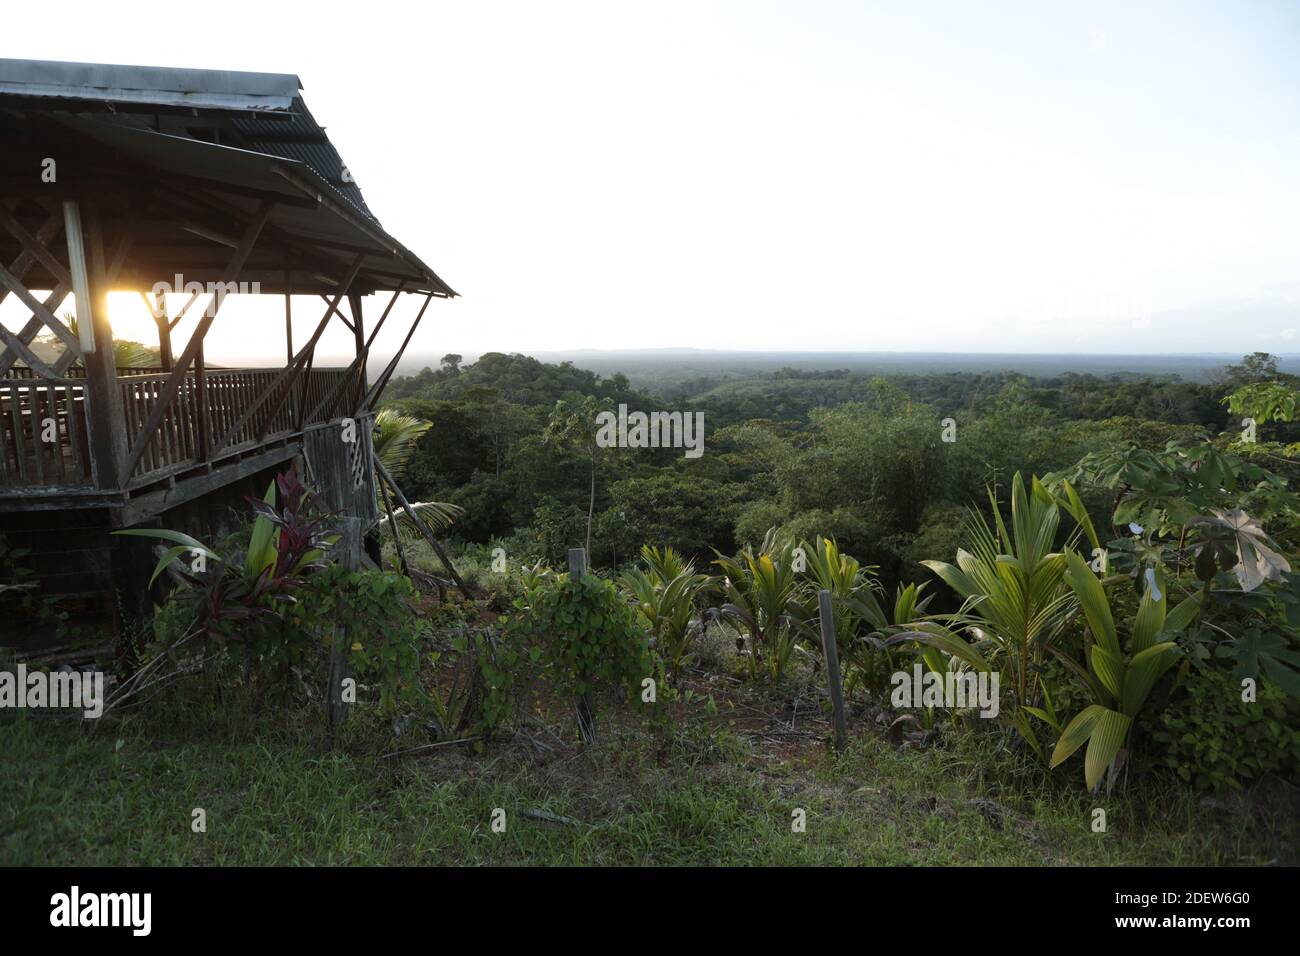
149 85
299 137
219 125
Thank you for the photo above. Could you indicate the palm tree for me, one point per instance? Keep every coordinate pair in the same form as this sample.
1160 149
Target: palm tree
126 354
394 441
573 425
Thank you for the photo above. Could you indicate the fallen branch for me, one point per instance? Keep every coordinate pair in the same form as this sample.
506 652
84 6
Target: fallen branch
423 747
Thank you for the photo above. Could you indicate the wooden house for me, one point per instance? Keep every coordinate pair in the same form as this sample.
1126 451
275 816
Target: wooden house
137 178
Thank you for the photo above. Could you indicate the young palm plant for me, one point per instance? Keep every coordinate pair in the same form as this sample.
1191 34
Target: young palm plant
763 598
1013 585
853 590
667 596
1120 678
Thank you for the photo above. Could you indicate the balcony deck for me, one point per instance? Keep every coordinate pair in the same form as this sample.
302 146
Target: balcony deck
212 420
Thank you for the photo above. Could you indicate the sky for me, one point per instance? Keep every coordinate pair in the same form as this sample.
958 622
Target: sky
902 176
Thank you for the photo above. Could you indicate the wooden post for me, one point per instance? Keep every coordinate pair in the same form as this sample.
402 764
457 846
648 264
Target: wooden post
832 655
288 337
359 336
104 416
158 306
348 554
577 562
585 711
201 403
392 521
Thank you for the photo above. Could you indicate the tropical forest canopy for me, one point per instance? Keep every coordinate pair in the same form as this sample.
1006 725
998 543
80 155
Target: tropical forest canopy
885 464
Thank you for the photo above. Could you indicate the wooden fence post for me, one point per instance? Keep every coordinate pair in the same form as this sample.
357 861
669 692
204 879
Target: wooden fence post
585 711
348 554
577 562
832 655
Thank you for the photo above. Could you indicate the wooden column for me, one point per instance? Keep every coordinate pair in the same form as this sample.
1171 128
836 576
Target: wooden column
157 306
202 434
359 335
104 416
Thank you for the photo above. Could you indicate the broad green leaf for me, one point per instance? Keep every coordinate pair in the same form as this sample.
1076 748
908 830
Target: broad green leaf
1107 737
261 547
938 636
1093 599
1181 616
1143 671
1150 620
1109 669
1076 732
185 545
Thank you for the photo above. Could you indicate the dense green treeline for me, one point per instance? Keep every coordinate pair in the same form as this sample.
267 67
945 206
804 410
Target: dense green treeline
886 465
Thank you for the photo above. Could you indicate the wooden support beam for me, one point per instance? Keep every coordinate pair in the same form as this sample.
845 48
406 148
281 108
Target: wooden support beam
40 310
158 309
124 243
376 390
173 383
356 368
79 271
421 526
290 373
104 416
150 505
288 316
359 336
35 246
342 318
202 433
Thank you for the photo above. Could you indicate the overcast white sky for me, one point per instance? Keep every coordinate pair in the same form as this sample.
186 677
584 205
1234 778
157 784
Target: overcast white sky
917 176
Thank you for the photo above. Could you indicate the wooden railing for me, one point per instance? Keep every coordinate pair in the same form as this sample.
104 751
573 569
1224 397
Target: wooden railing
76 371
44 441
43 438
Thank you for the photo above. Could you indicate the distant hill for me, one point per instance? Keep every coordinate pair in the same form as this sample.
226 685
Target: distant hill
661 368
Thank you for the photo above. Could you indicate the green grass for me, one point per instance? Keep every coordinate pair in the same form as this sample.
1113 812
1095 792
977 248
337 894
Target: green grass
274 793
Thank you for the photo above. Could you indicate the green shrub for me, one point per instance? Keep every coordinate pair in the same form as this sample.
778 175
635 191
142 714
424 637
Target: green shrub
374 607
1214 740
482 688
591 640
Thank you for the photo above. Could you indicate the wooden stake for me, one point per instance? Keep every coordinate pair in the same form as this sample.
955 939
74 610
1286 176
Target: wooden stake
348 551
832 656
585 711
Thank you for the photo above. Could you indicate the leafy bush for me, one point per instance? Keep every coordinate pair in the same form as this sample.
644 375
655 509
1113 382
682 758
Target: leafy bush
374 609
591 641
240 604
484 689
1214 740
